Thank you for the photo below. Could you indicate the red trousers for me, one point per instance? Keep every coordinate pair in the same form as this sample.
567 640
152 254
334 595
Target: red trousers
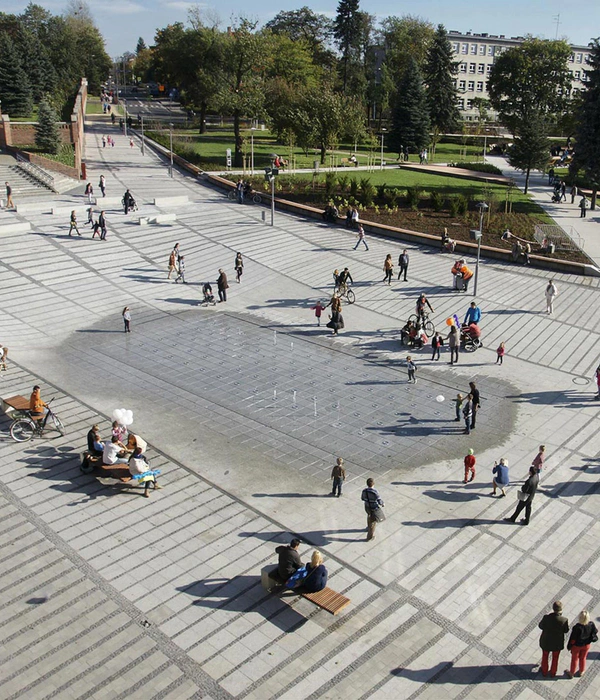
555 655
578 656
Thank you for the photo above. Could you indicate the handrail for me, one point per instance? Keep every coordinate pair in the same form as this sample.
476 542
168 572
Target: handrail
36 171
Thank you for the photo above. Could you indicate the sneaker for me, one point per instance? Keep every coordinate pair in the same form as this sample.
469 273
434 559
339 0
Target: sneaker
568 674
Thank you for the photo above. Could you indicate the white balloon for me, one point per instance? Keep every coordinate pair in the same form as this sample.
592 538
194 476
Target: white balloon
127 418
440 398
116 413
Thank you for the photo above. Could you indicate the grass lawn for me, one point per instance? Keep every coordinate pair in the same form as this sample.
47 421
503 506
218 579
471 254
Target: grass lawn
32 118
65 155
94 106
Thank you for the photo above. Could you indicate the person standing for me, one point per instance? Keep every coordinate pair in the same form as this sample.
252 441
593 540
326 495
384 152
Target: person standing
583 207
240 191
436 343
355 218
500 479
104 138
338 474
373 504
73 223
597 382
538 460
388 269
526 496
3 356
458 404
453 344
318 309
563 191
361 238
583 634
127 319
9 200
89 191
468 414
554 626
573 193
222 285
172 263
181 271
102 224
238 266
476 402
473 314
102 185
500 352
551 294
403 263
412 368
469 467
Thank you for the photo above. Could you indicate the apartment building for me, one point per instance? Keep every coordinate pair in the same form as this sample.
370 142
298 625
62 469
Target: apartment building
476 54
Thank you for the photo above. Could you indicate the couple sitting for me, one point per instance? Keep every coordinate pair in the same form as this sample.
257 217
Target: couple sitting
311 578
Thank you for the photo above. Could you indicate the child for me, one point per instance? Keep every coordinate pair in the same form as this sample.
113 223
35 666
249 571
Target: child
458 401
412 368
181 274
119 431
338 474
500 352
318 309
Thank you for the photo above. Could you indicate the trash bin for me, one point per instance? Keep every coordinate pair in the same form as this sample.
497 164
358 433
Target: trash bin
316 164
551 248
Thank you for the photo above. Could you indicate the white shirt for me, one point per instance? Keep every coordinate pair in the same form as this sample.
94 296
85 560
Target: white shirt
111 450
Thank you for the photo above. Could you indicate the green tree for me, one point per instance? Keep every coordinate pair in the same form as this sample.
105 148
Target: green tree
529 79
315 30
531 146
410 123
347 33
442 96
15 90
140 46
587 152
47 135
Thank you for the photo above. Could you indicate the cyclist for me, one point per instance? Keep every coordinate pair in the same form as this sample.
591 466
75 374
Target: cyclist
37 408
342 281
422 302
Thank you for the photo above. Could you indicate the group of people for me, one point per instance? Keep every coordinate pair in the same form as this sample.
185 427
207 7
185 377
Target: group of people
290 571
177 265
243 189
461 276
98 226
108 141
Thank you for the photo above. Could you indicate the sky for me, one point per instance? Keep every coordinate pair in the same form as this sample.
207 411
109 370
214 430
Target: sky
123 21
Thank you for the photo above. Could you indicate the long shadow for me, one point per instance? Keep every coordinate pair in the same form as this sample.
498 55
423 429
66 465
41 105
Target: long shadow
188 302
290 495
567 399
447 672
573 489
454 523
317 538
95 330
510 312
451 496
418 429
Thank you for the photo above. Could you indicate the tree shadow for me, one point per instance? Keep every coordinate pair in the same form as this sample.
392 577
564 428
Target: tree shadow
447 672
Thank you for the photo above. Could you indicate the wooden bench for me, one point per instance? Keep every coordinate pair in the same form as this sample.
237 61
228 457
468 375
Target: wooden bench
328 600
17 403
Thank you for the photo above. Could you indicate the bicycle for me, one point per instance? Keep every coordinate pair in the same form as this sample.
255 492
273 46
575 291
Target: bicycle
347 294
253 197
24 428
426 325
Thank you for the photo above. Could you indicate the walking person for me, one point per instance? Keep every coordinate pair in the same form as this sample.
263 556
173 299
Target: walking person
318 308
338 474
583 634
526 496
554 626
403 263
102 185
436 343
9 200
127 319
597 382
102 223
573 193
238 266
104 140
563 191
222 285
468 414
500 352
361 238
476 403
388 269
373 507
355 218
551 294
538 460
500 479
90 219
473 314
172 263
89 191
583 207
181 270
469 462
73 223
412 368
453 343
3 357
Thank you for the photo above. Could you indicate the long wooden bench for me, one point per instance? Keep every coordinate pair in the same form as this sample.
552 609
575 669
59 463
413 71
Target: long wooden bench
328 600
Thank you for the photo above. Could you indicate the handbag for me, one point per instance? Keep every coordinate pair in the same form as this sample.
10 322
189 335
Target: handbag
296 578
522 496
378 515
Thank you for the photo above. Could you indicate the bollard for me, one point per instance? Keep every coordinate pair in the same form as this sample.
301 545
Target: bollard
264 218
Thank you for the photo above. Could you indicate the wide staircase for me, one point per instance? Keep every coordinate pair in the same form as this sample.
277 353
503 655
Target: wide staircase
29 180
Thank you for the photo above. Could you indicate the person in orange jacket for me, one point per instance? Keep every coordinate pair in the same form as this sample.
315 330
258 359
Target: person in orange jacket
37 408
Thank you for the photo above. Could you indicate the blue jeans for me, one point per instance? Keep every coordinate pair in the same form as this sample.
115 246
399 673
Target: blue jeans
337 486
359 242
468 424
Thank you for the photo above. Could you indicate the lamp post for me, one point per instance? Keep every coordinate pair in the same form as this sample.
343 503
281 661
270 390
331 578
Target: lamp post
483 207
382 135
252 130
171 149
142 123
125 120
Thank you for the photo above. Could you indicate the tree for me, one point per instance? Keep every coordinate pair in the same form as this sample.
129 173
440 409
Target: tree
15 90
440 70
532 78
410 124
140 46
47 135
587 152
347 30
316 31
531 147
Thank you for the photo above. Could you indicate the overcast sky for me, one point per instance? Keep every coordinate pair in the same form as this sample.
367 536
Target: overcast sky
123 21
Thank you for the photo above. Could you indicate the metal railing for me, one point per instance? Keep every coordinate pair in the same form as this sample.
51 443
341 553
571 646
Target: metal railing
36 172
563 240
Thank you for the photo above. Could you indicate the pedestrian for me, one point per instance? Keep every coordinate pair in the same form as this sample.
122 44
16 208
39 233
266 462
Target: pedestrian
473 314
172 262
500 352
551 294
550 175
102 185
597 382
403 263
104 138
131 142
73 223
458 404
139 466
422 302
436 343
373 507
527 254
318 309
181 270
349 217
222 286
412 368
90 219
526 496
453 343
563 191
361 238
338 474
468 413
583 634
538 460
89 191
127 319
469 467
9 200
388 269
500 478
554 626
476 403
3 356
573 193
355 218
102 223
238 266
583 207
336 320
240 191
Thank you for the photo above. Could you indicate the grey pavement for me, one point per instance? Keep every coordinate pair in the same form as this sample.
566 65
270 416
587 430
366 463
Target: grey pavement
245 406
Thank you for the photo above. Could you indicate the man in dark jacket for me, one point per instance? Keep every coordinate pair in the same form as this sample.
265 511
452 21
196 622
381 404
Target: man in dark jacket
529 488
403 263
222 285
289 561
554 627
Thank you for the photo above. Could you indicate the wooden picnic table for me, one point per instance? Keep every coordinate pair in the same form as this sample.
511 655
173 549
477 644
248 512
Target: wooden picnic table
17 403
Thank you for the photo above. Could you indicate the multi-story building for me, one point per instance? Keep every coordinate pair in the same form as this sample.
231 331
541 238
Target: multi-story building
477 53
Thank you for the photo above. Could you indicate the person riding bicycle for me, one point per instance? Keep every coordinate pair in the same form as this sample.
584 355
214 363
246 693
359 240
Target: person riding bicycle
342 280
37 408
422 302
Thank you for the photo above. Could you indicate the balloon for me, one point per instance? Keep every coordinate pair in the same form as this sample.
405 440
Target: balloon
127 418
440 398
449 321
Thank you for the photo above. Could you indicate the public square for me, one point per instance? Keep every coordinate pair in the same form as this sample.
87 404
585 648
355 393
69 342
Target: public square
245 406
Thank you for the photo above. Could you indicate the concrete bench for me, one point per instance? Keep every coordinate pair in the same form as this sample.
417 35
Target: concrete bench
143 221
16 227
34 208
108 202
162 219
170 201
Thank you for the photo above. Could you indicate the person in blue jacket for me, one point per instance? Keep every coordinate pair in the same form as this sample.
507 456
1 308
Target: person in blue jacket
473 314
316 579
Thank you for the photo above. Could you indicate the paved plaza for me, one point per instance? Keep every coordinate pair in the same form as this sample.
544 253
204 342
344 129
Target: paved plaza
245 406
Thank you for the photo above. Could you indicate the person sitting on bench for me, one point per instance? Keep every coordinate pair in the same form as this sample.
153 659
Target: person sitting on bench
289 561
114 452
316 579
95 445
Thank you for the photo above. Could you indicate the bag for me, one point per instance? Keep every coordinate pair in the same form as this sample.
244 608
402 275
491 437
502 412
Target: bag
296 578
522 496
378 515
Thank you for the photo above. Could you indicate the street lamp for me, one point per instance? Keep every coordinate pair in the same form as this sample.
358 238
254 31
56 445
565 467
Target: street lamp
483 207
171 148
252 130
382 135
142 123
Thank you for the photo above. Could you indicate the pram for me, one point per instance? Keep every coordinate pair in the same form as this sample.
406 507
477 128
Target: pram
209 297
470 337
129 204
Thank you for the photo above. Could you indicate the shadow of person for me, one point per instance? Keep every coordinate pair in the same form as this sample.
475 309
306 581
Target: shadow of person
451 496
315 538
447 672
454 523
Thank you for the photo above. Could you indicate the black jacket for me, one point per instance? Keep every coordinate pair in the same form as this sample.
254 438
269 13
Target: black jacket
316 579
289 561
554 627
530 486
582 635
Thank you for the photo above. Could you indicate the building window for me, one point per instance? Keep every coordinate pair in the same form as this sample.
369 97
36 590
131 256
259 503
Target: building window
579 58
462 85
488 69
464 48
469 104
482 49
474 49
491 50
460 103
472 67
479 87
463 68
471 85
481 69
577 75
455 47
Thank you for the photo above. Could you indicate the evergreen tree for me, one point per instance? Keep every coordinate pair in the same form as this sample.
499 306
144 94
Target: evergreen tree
440 70
531 147
47 135
410 121
347 32
15 90
141 45
587 152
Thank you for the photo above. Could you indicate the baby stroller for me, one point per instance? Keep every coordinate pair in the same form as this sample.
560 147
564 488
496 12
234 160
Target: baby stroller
129 203
470 338
209 297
